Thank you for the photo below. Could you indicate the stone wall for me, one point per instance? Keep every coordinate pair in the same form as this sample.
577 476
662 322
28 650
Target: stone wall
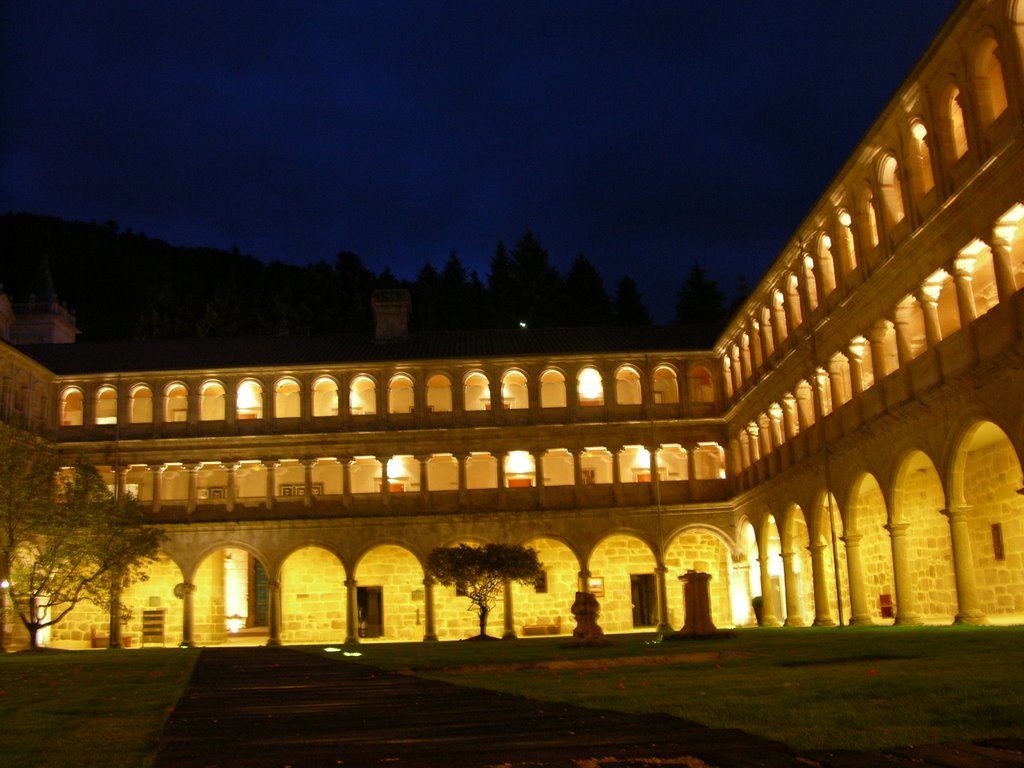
313 597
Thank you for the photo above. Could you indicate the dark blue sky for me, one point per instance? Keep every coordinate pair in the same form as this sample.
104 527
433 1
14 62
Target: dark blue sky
647 135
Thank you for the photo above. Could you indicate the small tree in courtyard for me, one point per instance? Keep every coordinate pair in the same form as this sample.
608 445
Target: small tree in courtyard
481 572
81 544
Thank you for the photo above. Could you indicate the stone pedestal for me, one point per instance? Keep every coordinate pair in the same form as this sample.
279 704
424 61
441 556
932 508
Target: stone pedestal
697 599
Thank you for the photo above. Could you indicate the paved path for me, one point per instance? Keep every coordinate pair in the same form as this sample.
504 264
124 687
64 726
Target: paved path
278 707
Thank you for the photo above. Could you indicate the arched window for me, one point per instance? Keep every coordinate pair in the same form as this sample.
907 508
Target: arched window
627 386
325 397
476 392
71 408
401 397
513 391
249 403
362 396
520 469
923 176
672 463
849 247
552 389
793 309
665 385
176 404
871 218
779 322
439 394
892 189
702 386
957 126
810 282
826 264
767 335
106 405
991 87
140 405
590 386
212 402
287 399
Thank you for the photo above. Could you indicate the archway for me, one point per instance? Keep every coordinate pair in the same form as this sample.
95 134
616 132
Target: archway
390 594
545 607
868 543
703 551
156 593
313 597
232 598
798 573
827 547
623 580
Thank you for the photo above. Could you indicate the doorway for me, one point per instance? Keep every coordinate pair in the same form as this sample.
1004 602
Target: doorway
370 603
644 593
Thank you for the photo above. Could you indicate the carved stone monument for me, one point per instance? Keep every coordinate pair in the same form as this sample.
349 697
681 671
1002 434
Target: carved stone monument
585 610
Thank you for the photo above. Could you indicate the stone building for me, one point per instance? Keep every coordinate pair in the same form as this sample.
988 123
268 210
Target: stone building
848 448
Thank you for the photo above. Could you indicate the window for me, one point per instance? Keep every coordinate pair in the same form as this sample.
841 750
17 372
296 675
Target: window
892 189
362 396
513 391
287 399
140 405
990 84
552 389
590 387
439 394
665 385
702 388
477 392
627 386
176 404
106 406
325 397
924 178
71 406
401 396
250 400
211 402
957 126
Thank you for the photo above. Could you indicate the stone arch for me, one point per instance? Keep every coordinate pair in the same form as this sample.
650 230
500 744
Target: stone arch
705 549
552 388
401 395
439 393
665 384
747 556
287 398
233 594
476 391
313 596
891 187
989 80
140 404
922 548
515 390
798 573
829 561
390 596
362 395
985 480
212 400
628 390
623 578
545 607
72 407
325 396
869 550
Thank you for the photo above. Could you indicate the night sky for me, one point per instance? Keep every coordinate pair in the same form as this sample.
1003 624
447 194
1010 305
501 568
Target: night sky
647 135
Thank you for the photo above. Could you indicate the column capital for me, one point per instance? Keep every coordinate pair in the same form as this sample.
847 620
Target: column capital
157 468
851 539
270 464
230 464
957 512
307 461
897 529
350 583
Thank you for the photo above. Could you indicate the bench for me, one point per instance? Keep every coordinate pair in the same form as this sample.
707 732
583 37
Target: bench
533 630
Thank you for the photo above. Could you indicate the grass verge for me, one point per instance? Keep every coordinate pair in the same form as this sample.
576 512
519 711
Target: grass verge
815 688
88 708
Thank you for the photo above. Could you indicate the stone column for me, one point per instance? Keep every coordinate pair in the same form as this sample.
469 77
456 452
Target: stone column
616 473
429 629
696 595
509 632
793 615
158 478
691 473
769 611
230 467
346 480
121 478
499 458
274 593
187 590
904 353
741 578
858 593
660 572
462 458
928 297
906 608
876 335
351 612
584 577
271 467
538 474
307 498
969 611
1001 244
822 610
423 458
193 485
963 276
385 481
577 476
857 348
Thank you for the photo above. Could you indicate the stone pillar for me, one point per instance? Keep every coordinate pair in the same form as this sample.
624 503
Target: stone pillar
928 298
741 579
584 577
274 593
499 458
121 478
793 617
186 591
963 269
230 467
429 629
1001 244
858 593
577 476
906 608
876 335
663 623
509 632
351 612
616 474
346 480
857 349
904 353
969 611
697 597
538 474
271 497
158 477
769 611
822 610
193 485
462 458
307 465
385 481
691 473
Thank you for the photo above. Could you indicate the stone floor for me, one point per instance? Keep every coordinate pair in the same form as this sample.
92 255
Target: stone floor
280 707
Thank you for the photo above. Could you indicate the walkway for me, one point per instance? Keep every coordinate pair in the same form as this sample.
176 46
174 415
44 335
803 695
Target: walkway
279 707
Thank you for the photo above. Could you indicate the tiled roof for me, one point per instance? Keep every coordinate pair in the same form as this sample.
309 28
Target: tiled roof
294 351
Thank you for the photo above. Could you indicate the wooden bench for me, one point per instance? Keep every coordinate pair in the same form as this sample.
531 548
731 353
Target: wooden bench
533 630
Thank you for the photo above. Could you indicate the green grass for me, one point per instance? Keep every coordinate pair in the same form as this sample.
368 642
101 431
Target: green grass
88 708
849 688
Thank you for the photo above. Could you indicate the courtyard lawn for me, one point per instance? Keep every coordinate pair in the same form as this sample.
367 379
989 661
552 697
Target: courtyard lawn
815 688
88 708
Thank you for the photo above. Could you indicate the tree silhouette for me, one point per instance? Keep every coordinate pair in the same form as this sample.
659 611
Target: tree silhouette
699 299
629 307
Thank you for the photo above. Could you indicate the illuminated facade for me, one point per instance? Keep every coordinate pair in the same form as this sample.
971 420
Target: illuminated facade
863 408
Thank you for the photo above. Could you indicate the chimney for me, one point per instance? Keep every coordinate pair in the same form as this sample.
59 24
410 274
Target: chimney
391 308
